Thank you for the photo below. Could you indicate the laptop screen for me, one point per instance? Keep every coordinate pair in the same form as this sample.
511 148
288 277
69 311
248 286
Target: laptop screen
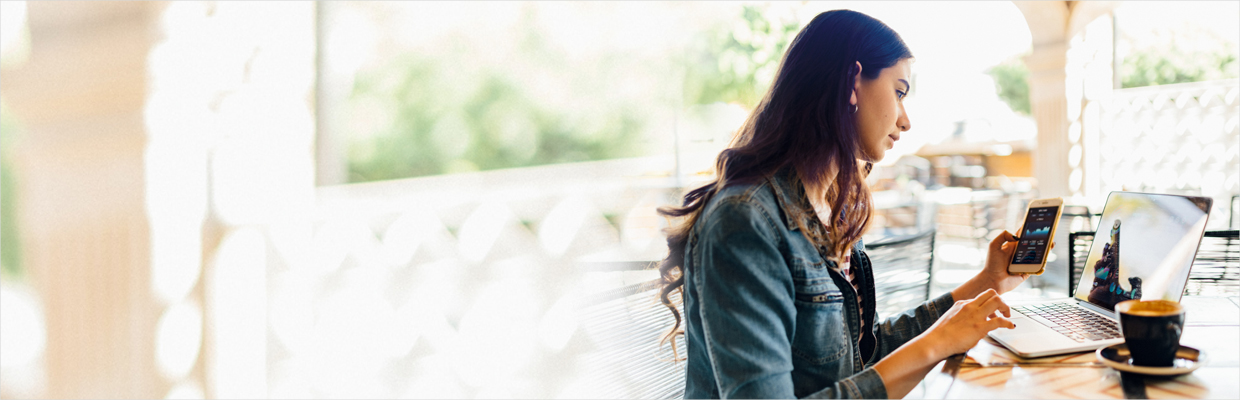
1143 249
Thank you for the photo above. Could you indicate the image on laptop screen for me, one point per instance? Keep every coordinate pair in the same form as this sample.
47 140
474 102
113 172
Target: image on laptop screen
1143 249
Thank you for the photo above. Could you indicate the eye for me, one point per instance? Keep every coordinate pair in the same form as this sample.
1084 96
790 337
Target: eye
900 94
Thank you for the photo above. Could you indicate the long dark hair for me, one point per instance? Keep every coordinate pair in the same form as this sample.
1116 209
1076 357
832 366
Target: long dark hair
805 121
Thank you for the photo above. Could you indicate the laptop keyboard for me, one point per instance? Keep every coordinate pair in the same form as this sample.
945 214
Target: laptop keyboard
1072 321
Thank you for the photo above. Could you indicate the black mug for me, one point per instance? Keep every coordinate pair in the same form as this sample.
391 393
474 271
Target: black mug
1151 330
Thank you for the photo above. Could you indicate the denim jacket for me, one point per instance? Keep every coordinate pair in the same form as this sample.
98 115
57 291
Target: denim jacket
768 316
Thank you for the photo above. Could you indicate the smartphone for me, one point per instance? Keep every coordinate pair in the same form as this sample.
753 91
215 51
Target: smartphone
1035 236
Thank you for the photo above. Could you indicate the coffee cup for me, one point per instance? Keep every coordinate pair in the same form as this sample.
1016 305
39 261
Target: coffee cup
1151 330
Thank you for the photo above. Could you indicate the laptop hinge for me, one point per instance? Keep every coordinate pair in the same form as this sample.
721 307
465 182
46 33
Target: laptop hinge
1094 307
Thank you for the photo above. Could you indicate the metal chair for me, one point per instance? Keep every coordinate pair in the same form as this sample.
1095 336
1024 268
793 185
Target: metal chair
1215 271
624 326
1233 209
902 267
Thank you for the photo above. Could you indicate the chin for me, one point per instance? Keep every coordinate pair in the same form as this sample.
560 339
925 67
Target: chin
873 156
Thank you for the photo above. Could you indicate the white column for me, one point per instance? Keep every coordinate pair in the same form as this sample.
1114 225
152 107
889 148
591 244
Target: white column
1096 63
81 187
1049 101
1061 67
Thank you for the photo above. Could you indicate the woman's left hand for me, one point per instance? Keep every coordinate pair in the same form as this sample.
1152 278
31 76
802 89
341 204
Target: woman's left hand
998 256
997 259
994 274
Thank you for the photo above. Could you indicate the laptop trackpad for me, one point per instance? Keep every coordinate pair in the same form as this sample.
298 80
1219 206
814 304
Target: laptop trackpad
1031 337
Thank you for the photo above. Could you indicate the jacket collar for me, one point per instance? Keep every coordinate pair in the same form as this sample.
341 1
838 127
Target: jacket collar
794 205
793 202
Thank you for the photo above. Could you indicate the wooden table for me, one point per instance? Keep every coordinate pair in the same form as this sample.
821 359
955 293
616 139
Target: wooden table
990 371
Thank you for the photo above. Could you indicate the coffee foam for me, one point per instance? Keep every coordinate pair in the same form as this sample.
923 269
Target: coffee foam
1154 308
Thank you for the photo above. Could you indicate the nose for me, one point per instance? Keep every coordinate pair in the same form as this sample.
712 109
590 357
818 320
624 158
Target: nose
903 122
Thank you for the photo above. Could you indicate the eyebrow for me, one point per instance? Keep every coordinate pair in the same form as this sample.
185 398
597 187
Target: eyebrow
907 87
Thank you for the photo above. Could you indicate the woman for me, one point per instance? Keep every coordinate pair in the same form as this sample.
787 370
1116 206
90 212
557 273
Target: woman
778 295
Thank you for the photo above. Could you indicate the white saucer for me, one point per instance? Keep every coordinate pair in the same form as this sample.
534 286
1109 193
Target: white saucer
1187 359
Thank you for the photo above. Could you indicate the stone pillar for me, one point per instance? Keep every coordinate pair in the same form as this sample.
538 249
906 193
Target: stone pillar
332 84
1056 90
1093 56
80 175
1048 99
231 152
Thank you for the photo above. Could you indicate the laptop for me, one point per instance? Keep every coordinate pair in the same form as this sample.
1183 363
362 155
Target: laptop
1143 249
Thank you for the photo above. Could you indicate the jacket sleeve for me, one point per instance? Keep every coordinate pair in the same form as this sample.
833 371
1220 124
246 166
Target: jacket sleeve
748 315
900 328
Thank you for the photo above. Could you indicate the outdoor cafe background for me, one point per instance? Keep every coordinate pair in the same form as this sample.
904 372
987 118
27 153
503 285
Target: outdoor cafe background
357 199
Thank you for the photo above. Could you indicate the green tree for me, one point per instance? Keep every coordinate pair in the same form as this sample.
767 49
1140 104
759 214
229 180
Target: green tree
1153 66
443 122
736 61
10 244
497 125
1167 55
1012 82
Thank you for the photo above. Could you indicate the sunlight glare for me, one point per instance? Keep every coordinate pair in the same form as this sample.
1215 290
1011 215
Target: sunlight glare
237 291
23 334
186 390
480 231
561 225
178 339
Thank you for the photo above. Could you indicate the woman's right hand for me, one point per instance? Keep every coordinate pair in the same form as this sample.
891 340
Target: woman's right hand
957 331
967 322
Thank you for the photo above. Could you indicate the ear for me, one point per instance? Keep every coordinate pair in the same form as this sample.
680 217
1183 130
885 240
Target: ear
856 85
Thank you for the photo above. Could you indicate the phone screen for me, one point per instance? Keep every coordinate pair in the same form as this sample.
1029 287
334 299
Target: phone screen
1035 236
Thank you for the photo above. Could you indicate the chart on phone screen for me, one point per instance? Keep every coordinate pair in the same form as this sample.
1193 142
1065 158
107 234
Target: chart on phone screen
1034 236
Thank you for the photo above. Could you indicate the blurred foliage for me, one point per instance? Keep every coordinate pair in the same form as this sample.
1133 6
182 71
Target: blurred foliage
498 125
440 124
737 62
1166 65
1012 83
10 245
440 119
1188 53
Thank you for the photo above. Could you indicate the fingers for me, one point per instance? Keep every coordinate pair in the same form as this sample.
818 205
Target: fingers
978 302
984 296
1005 243
996 303
1000 322
1003 238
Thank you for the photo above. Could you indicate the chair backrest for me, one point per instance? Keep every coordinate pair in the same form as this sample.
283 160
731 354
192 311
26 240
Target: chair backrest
902 267
1233 208
625 360
1215 271
1074 216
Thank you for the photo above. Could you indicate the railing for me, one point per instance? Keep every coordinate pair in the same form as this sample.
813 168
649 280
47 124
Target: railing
464 285
1180 139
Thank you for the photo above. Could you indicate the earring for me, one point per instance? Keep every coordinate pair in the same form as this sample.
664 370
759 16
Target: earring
854 108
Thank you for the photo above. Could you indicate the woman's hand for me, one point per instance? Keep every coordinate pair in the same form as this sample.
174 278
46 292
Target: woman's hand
957 331
994 274
967 322
998 256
